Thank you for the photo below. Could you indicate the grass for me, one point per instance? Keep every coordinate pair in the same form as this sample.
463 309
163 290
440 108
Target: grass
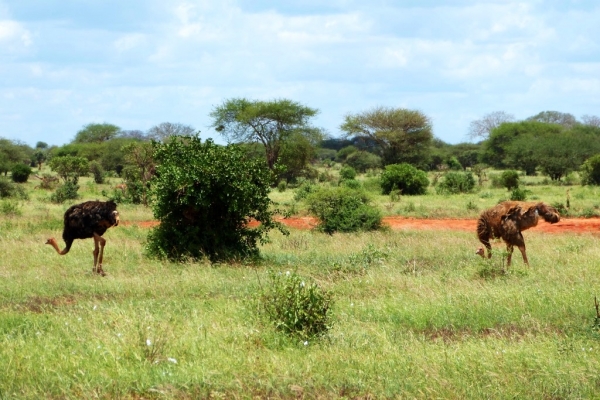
416 315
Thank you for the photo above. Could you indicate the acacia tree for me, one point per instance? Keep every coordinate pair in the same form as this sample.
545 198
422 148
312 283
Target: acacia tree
400 135
270 123
163 131
555 117
96 133
481 128
204 196
591 120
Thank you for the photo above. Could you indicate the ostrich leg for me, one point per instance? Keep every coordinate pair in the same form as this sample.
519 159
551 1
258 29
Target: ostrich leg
99 243
521 245
509 249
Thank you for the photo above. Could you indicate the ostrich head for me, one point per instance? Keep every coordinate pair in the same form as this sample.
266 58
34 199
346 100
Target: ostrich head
113 216
481 252
549 213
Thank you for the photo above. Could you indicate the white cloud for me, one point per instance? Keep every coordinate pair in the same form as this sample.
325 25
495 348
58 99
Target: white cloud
13 34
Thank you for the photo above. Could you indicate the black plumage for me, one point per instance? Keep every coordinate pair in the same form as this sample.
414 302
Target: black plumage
88 220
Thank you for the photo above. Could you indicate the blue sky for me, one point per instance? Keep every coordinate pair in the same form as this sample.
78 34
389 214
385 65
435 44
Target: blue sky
138 63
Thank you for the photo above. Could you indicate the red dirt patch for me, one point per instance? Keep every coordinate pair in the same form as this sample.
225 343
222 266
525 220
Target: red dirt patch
579 225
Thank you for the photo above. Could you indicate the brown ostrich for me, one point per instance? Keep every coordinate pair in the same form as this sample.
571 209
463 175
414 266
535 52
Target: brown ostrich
88 220
507 220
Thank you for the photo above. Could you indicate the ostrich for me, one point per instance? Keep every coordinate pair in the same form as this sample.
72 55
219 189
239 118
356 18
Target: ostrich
507 220
87 220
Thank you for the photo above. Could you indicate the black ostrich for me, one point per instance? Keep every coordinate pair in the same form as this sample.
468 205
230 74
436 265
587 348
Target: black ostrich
86 220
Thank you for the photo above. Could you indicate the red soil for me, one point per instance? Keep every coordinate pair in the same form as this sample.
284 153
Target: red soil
591 225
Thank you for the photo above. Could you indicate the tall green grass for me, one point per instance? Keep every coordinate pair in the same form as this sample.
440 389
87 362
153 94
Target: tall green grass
416 315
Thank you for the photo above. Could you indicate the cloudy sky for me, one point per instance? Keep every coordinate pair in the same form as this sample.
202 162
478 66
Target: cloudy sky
137 63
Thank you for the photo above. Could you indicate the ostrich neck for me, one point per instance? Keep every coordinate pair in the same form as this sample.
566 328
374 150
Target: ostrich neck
53 243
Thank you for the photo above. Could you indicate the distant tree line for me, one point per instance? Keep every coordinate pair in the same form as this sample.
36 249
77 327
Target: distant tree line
281 132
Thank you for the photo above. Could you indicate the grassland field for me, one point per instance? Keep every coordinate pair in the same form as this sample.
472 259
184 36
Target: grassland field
416 314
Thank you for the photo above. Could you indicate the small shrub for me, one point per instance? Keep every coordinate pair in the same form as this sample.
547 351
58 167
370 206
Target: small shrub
10 208
456 182
9 189
351 184
560 207
325 176
64 192
97 171
343 210
48 181
590 171
495 181
295 307
20 173
347 172
282 186
410 207
304 190
6 188
519 194
510 179
395 195
589 212
405 177
471 206
454 164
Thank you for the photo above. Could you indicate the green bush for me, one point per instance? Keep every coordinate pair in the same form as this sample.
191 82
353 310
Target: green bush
344 152
97 171
351 183
70 168
405 177
304 190
204 196
362 161
347 172
456 182
343 210
64 192
9 189
296 307
510 179
519 194
590 171
282 186
20 173
454 164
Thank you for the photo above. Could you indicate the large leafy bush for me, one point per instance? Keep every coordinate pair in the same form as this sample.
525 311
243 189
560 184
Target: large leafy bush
204 196
343 209
404 177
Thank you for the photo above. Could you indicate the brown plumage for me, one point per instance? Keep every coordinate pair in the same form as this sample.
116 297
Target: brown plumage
507 220
88 220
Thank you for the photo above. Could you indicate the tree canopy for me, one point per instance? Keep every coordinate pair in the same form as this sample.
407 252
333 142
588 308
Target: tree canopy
481 128
270 123
96 133
400 135
165 130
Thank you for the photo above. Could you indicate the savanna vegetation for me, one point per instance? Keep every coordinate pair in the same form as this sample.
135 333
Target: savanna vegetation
347 310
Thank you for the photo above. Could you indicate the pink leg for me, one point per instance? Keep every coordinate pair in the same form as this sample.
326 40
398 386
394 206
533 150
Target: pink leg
99 241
